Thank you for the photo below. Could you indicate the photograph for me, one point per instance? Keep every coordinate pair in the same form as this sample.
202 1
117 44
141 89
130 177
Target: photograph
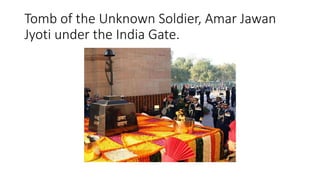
147 105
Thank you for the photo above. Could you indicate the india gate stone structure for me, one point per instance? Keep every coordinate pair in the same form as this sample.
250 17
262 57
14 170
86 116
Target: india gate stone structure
140 75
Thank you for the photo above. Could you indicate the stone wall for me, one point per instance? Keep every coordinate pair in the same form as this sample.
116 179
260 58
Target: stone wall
136 71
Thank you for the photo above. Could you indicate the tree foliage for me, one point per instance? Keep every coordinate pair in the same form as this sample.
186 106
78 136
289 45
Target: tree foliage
183 70
226 72
202 71
180 70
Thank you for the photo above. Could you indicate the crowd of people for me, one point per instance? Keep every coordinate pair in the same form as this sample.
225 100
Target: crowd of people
223 105
190 100
189 105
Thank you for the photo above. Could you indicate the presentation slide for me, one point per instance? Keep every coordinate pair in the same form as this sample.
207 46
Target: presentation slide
53 51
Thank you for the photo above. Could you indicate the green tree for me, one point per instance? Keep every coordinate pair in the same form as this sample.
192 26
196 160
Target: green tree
202 71
225 73
183 70
228 72
180 70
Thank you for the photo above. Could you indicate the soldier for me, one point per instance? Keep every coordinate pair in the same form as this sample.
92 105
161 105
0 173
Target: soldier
225 117
169 107
215 107
196 110
181 104
201 92
87 101
192 91
207 92
87 108
233 96
227 95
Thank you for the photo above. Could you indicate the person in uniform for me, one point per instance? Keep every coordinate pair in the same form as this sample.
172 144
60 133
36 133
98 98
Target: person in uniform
192 91
180 104
233 96
215 108
169 107
227 95
201 92
196 110
87 108
87 101
225 117
207 92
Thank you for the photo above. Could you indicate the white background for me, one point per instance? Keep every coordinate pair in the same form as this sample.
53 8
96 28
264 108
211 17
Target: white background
277 87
